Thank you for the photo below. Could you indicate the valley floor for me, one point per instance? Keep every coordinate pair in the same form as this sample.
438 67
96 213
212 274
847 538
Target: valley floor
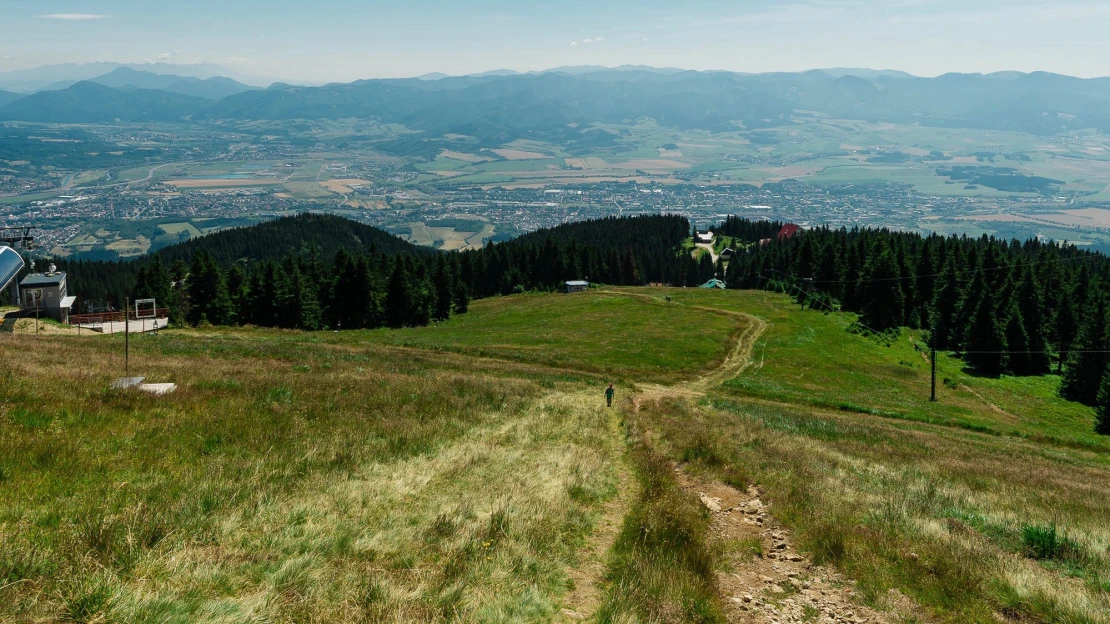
760 464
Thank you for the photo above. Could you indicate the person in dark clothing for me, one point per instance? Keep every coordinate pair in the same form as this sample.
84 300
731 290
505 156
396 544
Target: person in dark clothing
609 392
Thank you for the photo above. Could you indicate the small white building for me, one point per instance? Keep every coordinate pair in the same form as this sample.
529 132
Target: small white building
705 237
574 286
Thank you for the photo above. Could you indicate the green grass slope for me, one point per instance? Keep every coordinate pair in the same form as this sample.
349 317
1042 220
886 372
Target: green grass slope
469 471
604 332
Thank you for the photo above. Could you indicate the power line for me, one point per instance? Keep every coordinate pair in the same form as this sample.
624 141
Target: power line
818 299
1031 352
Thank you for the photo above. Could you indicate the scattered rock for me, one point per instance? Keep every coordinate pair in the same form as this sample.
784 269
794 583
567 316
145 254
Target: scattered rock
711 503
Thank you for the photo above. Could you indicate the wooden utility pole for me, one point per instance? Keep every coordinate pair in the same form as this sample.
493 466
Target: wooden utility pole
932 360
126 337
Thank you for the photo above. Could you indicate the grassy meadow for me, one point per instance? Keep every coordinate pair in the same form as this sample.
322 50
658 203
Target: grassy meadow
469 471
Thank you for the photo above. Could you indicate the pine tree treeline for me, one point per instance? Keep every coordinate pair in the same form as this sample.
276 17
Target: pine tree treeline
308 289
1022 308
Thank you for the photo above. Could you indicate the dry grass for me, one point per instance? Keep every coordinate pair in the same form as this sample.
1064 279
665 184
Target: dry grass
317 484
343 186
515 154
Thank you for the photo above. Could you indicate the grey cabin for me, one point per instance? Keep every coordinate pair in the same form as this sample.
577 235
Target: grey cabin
46 293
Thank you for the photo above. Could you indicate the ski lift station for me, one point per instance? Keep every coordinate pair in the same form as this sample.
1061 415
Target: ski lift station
42 294
46 294
11 263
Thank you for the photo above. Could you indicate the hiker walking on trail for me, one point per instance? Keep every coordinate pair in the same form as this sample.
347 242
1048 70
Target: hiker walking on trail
609 392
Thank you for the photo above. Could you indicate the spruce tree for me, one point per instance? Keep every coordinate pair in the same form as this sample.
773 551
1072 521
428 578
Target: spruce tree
304 301
444 293
237 289
926 280
881 289
827 275
1102 408
946 305
462 298
1030 301
1065 328
208 292
397 313
153 282
985 344
1086 363
1020 360
372 303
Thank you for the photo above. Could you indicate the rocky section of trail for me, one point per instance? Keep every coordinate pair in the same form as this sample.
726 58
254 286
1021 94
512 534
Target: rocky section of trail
765 579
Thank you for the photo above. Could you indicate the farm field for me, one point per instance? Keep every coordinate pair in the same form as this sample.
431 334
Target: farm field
471 470
450 238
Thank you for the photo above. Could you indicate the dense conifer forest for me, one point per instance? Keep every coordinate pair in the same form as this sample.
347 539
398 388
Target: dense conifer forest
320 271
1006 307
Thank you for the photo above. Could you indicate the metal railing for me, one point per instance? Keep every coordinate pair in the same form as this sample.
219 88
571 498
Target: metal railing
100 318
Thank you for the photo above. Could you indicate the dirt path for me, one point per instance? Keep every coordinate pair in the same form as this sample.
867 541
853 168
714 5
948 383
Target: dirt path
583 600
764 580
708 247
735 362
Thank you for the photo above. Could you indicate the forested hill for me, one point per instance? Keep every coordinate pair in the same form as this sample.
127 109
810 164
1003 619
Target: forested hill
276 239
613 250
101 282
315 271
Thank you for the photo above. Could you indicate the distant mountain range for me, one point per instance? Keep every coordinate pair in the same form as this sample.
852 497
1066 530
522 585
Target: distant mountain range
60 76
215 88
7 97
89 102
560 105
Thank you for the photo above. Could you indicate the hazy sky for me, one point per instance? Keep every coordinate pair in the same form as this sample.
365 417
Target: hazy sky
333 40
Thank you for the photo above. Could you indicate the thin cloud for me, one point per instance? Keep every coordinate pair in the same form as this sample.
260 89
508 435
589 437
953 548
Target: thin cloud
73 16
573 43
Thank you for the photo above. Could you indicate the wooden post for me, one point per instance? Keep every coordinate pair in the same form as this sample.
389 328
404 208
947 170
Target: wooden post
933 397
126 337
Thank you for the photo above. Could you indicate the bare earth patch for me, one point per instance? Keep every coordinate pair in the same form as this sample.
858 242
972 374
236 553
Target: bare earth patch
343 186
515 154
765 579
470 158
